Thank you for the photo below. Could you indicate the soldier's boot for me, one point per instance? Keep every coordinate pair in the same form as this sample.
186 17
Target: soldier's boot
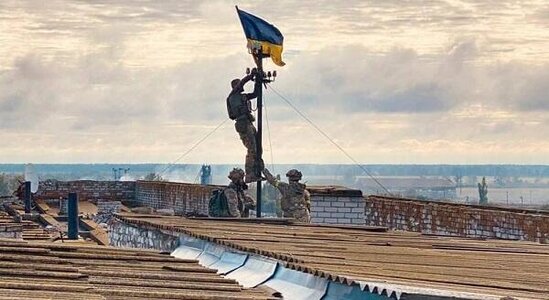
251 177
249 168
253 171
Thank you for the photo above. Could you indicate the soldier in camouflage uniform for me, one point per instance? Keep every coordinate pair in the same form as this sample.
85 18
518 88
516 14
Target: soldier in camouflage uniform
239 201
239 109
295 201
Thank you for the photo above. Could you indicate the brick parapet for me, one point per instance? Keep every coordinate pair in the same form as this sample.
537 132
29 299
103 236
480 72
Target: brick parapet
441 218
89 190
183 198
131 236
336 205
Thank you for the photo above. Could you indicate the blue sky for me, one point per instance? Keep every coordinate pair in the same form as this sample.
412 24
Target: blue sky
390 81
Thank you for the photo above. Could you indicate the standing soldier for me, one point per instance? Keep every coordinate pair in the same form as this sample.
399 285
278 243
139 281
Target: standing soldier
238 200
295 201
239 109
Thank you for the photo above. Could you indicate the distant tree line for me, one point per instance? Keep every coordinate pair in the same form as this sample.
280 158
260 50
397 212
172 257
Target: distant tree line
104 171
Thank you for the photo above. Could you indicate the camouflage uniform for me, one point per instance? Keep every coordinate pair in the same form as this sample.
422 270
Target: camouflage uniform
239 110
296 200
238 200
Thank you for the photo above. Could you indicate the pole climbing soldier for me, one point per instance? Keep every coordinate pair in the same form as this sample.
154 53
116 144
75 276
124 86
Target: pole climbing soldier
239 109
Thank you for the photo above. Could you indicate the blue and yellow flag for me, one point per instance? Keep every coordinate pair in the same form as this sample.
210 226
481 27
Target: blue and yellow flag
262 34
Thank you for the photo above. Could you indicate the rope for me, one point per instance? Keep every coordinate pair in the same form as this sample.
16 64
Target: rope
330 139
193 147
269 135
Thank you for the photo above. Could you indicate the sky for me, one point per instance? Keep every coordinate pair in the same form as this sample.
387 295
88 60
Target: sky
413 82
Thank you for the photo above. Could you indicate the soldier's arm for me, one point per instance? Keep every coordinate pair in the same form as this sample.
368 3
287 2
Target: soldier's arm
254 94
270 178
307 197
281 186
242 82
249 201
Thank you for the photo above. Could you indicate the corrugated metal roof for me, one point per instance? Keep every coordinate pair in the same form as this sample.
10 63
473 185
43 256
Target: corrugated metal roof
406 262
31 270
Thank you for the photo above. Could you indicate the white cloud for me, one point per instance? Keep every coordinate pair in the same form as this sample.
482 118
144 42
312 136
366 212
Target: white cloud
390 82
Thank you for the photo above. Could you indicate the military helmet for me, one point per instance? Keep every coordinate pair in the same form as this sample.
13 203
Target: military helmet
294 174
235 82
236 173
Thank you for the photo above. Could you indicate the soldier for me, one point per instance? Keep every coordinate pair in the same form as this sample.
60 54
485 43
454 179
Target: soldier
238 200
239 109
295 201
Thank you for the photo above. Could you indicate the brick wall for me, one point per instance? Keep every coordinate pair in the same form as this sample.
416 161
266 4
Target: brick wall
106 210
126 235
183 198
336 205
329 205
90 190
443 218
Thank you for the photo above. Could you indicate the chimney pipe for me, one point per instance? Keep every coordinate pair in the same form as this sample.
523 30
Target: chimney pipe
27 197
72 213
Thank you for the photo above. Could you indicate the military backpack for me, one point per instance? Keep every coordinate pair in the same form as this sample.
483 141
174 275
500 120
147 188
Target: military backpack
218 205
237 106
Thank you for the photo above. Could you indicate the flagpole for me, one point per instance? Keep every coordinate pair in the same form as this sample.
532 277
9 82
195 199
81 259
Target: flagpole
259 136
254 44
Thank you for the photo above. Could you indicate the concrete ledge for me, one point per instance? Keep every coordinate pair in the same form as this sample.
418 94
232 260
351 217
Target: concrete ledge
334 190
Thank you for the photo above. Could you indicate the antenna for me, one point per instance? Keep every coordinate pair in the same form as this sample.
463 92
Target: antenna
30 175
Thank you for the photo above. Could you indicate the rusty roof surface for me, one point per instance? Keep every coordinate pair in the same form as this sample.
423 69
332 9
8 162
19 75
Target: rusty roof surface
41 270
407 260
30 230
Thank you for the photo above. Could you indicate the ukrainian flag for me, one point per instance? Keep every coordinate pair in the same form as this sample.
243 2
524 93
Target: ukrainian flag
262 34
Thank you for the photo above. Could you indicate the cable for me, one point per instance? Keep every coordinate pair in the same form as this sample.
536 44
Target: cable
326 136
193 147
269 135
198 175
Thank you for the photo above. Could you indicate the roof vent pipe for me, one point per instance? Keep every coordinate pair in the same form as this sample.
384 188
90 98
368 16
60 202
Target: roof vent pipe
73 216
27 197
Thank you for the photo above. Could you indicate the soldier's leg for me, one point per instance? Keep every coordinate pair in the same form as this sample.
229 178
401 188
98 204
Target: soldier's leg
253 171
249 164
232 203
258 168
233 207
247 133
302 215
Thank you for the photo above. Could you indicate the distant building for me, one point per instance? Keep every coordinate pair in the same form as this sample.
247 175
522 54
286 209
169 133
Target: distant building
413 187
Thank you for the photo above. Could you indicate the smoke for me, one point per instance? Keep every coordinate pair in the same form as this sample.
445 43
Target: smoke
127 177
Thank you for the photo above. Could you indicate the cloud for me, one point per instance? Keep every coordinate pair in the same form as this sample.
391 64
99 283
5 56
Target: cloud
115 81
350 80
519 86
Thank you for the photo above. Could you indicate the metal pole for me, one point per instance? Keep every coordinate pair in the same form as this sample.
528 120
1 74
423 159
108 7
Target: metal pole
259 151
73 216
28 197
